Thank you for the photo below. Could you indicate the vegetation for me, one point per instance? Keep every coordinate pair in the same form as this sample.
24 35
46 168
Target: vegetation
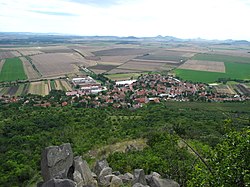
26 130
12 70
234 70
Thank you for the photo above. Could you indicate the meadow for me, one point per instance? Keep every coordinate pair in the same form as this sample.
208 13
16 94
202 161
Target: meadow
12 70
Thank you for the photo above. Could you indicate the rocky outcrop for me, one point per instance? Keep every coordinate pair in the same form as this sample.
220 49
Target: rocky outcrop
60 169
59 183
57 162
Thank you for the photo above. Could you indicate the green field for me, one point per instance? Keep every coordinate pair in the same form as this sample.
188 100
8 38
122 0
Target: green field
221 58
233 71
236 68
12 70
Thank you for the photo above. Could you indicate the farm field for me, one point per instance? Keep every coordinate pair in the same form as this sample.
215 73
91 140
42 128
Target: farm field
122 71
202 65
221 58
235 68
56 64
224 89
39 88
29 70
12 70
29 52
123 76
233 71
167 55
8 54
1 64
121 52
147 66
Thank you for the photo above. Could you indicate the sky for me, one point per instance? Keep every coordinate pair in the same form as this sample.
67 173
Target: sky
208 19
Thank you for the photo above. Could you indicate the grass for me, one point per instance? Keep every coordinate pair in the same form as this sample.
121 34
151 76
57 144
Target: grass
124 76
221 58
233 71
12 70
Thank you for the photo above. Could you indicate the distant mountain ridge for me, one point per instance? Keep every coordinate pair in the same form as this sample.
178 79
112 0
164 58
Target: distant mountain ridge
48 38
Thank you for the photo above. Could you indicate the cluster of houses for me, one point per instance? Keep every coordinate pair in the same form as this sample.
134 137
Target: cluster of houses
135 93
148 88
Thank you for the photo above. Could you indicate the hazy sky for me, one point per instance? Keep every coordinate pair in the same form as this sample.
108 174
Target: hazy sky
209 19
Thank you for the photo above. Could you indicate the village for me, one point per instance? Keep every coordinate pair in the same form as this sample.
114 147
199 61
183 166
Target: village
149 88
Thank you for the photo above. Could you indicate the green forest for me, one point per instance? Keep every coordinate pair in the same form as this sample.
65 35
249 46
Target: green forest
195 144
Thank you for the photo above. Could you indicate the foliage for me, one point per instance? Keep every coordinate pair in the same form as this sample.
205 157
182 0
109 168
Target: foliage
26 130
229 161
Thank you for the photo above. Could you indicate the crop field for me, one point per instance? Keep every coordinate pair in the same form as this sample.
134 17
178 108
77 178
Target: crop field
121 52
58 63
167 55
233 71
12 70
29 52
9 54
1 64
121 71
202 65
65 85
221 58
123 76
115 60
224 89
55 49
147 66
103 67
29 70
39 88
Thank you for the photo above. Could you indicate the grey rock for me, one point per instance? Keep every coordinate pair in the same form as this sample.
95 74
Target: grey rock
149 177
94 175
59 183
139 185
127 178
155 174
108 178
139 177
158 182
116 173
116 182
57 162
82 168
105 172
78 178
100 165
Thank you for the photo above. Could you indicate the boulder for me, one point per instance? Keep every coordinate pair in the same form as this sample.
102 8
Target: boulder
116 182
59 183
57 162
127 178
139 177
82 168
158 182
101 178
139 185
100 165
